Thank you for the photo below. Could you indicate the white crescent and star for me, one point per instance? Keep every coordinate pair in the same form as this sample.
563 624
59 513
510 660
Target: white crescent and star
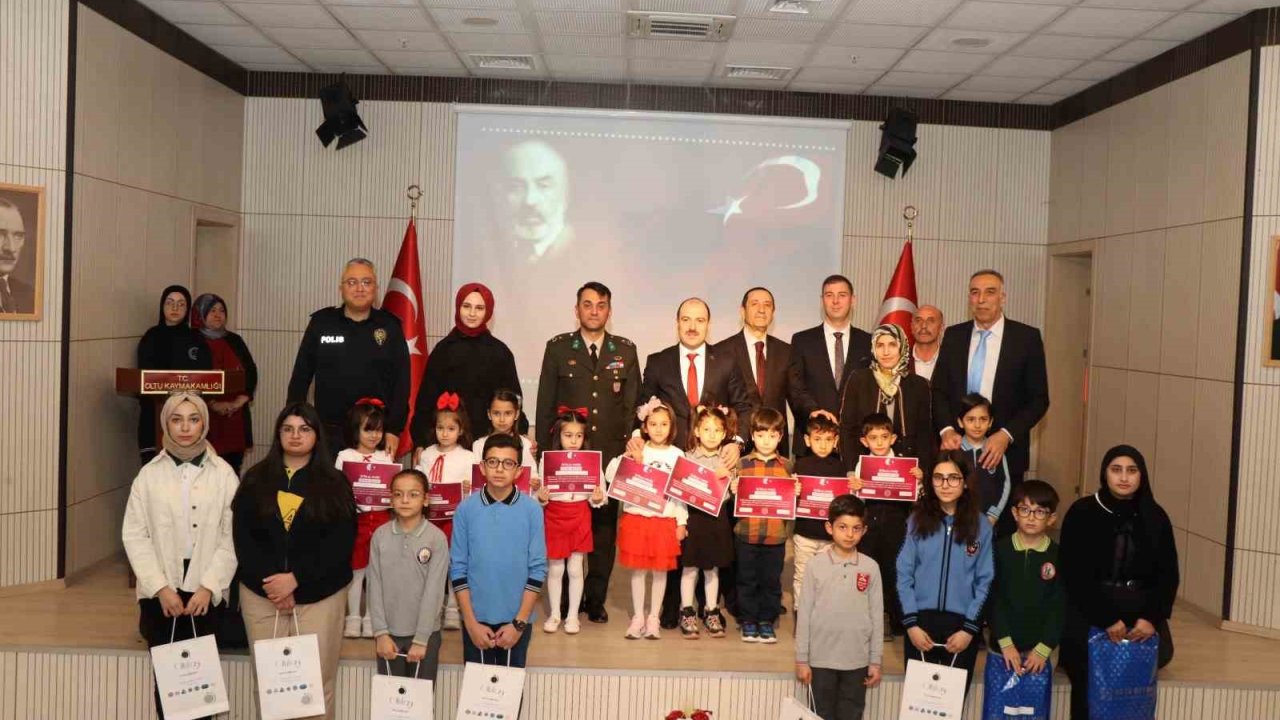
809 171
401 288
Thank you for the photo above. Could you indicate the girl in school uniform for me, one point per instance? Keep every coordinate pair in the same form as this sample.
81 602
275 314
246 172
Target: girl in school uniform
709 545
567 519
504 413
648 541
177 529
366 443
447 461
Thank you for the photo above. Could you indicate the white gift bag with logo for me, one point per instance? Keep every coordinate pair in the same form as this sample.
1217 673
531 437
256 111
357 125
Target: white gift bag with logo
290 683
932 692
490 692
401 698
794 709
189 676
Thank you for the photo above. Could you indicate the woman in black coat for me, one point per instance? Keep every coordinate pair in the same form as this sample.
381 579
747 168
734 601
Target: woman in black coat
1119 567
170 344
468 361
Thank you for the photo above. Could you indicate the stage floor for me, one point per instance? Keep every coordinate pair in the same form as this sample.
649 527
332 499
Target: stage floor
99 611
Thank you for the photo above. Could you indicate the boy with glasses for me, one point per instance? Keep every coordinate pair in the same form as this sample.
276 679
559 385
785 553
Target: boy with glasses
1027 616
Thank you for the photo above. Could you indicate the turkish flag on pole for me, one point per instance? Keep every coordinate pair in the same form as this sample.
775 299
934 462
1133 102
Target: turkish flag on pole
404 300
900 299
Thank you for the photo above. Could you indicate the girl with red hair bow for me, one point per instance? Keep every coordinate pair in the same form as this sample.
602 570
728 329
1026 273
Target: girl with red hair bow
447 461
366 442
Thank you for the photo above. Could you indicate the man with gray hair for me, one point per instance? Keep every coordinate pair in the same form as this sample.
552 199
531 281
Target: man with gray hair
354 351
926 328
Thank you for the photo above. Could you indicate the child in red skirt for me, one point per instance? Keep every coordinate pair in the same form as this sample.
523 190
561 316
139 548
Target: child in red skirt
365 443
649 542
709 545
567 519
447 461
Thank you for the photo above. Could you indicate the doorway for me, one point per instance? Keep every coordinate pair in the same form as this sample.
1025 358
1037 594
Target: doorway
216 258
1068 328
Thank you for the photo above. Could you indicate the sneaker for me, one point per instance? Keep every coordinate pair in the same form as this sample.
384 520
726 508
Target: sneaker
750 633
651 631
551 625
714 622
766 633
366 627
689 623
635 630
351 628
452 619
572 626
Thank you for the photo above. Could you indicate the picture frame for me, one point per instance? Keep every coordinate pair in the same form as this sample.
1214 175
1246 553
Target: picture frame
22 240
1271 333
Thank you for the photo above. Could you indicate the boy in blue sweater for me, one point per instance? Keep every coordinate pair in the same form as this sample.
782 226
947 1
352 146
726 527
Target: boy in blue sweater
498 560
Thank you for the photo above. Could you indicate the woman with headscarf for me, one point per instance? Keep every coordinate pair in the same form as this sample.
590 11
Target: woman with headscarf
230 425
1119 566
170 344
888 387
177 529
468 361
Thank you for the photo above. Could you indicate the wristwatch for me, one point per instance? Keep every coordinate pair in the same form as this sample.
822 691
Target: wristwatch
519 625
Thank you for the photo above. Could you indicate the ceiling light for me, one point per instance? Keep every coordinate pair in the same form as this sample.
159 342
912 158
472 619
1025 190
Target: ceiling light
479 21
756 72
971 42
790 7
502 62
340 118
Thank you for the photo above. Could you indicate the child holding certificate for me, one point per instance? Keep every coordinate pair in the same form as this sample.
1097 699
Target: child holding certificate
761 543
504 413
945 567
447 461
649 542
567 518
709 546
810 537
366 443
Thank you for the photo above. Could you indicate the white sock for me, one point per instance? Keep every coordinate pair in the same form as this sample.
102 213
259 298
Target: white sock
656 592
637 591
354 593
555 576
688 583
711 587
576 578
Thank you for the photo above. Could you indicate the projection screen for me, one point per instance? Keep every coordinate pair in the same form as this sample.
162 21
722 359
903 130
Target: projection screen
657 206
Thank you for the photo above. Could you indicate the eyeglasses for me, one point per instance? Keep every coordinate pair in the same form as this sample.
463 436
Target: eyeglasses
175 303
362 282
952 480
1038 513
504 463
300 430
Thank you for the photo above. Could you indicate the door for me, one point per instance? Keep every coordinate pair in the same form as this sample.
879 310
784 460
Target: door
1067 330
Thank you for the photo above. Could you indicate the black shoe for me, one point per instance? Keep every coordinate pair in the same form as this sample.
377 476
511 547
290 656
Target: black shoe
598 616
669 623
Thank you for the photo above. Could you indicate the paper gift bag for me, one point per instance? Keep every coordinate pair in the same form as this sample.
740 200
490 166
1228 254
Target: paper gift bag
1006 694
401 698
794 709
1122 678
490 692
932 692
290 683
189 677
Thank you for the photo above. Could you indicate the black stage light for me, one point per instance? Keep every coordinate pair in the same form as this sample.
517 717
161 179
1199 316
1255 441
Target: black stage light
340 118
897 143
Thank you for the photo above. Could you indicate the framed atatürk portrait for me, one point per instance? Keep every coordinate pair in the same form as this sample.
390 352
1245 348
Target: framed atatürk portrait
22 239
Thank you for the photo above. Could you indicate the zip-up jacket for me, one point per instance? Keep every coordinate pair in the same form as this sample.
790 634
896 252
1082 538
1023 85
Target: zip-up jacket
993 485
937 573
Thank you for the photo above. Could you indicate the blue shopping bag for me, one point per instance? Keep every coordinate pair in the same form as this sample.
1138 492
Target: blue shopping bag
1122 678
1006 694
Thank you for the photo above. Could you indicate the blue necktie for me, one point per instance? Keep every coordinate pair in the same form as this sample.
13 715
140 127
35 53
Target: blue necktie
977 362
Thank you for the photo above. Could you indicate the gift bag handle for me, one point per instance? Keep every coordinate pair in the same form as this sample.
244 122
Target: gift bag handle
417 666
275 625
173 631
939 645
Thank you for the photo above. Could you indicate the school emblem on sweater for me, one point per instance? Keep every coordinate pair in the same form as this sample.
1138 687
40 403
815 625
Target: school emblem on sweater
864 581
971 549
424 556
380 336
1048 571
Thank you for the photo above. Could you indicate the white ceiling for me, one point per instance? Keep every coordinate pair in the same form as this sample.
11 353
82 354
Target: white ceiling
1038 51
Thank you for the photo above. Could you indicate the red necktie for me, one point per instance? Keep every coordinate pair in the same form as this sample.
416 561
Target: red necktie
691 381
760 367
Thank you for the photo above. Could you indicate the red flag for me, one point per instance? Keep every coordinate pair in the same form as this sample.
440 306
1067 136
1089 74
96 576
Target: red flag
404 300
900 299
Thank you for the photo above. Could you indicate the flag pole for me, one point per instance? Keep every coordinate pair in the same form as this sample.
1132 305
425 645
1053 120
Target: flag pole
414 193
909 213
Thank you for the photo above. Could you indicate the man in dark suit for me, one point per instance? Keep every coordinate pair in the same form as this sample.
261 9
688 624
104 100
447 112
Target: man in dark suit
16 296
823 358
762 360
1004 361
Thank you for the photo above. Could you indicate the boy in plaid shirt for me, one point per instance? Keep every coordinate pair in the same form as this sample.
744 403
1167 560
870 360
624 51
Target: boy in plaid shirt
760 543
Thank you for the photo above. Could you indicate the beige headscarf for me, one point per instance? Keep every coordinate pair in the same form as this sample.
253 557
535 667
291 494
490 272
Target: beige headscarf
888 380
171 446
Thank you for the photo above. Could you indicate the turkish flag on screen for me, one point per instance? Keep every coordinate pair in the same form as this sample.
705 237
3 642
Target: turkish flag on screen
404 300
900 299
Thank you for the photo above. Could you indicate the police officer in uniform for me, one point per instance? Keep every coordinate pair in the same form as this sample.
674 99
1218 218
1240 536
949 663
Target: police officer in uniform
595 370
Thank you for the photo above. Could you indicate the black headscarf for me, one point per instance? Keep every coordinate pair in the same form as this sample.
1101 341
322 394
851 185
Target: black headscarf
1138 518
174 289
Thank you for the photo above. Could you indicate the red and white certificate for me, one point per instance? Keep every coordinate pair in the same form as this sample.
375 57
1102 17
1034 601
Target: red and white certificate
443 500
522 480
697 486
641 485
371 482
816 494
571 471
888 478
765 497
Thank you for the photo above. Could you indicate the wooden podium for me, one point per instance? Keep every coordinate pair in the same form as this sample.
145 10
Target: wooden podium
159 384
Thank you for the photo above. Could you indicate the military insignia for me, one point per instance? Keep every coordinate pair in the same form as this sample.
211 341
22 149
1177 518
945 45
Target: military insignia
577 343
615 365
971 549
573 362
611 346
864 581
617 387
380 336
1048 571
424 556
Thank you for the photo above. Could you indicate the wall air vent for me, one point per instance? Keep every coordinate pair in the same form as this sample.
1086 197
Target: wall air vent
679 26
756 72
